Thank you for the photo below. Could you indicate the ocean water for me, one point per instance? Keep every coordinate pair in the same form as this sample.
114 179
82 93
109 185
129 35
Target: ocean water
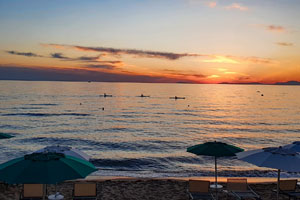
148 137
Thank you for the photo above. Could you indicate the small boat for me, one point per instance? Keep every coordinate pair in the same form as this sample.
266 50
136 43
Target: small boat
176 97
144 95
105 95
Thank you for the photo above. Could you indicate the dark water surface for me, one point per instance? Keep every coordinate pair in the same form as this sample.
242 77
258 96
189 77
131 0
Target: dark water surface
136 136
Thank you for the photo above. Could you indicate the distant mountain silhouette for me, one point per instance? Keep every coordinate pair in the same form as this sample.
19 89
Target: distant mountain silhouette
185 82
249 83
288 83
257 83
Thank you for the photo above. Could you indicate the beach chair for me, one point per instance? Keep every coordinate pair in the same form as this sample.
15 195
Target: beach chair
288 188
32 192
199 189
240 189
86 191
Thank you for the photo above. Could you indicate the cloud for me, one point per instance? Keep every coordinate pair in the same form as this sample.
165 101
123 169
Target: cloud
213 76
183 73
28 54
81 58
10 72
222 59
273 28
229 59
230 72
103 66
134 52
284 44
237 6
59 56
88 58
211 4
256 60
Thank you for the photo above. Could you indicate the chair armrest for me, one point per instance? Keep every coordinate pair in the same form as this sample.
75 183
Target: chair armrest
190 195
253 192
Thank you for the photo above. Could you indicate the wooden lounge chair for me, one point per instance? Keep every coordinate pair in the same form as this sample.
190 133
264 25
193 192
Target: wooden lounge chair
199 189
288 188
86 191
32 192
239 188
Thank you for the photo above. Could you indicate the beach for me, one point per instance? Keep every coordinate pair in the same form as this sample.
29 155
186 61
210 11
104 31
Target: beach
126 188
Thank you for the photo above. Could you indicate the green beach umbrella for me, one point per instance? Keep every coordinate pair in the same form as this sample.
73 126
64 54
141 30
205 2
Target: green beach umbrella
216 149
44 168
5 136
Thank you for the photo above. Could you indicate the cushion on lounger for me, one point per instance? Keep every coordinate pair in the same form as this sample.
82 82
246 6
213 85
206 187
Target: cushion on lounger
33 190
288 185
199 186
85 190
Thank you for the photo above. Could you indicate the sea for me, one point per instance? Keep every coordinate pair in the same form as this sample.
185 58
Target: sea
129 135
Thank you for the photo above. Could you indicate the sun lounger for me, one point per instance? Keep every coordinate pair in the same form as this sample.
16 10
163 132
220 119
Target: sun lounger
86 191
199 189
239 188
288 188
32 192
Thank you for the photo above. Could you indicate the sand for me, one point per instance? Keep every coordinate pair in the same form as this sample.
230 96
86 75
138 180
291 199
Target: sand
126 188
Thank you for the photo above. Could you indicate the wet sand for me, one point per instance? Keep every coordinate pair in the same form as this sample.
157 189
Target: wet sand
119 188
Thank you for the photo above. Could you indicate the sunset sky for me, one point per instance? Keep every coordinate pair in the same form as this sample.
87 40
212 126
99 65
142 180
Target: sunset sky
197 41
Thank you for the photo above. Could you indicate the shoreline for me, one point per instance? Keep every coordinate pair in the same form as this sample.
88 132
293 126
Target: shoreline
250 180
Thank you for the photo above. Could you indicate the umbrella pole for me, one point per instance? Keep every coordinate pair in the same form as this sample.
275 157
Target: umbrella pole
278 181
216 180
55 189
216 172
44 191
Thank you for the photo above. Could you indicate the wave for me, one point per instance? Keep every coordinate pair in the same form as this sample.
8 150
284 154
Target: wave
28 108
43 104
46 114
137 146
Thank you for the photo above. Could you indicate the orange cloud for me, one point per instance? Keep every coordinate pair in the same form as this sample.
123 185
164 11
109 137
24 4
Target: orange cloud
221 59
179 73
275 28
237 7
230 72
284 44
252 60
211 4
213 76
238 60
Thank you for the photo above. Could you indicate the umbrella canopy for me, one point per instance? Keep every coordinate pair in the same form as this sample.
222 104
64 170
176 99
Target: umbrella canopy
68 151
46 168
5 136
294 146
273 157
216 149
